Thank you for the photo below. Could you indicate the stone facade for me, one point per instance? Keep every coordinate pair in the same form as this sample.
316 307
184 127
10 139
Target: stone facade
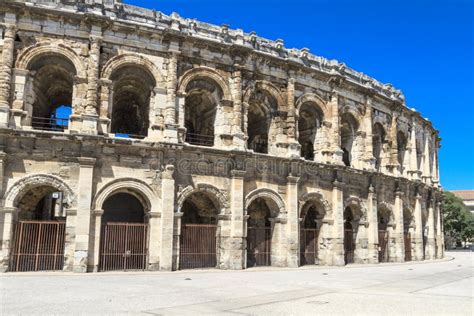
240 127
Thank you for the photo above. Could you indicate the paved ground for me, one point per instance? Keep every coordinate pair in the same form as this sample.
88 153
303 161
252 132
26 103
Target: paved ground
442 288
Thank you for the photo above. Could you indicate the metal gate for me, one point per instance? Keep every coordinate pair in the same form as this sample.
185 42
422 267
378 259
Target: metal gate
198 246
38 246
349 246
407 241
309 246
123 247
383 246
259 241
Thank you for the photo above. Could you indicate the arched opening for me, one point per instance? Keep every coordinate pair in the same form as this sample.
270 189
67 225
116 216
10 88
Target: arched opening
378 141
262 107
199 232
203 97
402 149
419 154
350 231
309 125
49 103
124 233
39 234
131 94
260 232
349 128
383 219
311 220
407 220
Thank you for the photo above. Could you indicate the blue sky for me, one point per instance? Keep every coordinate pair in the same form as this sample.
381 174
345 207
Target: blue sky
424 48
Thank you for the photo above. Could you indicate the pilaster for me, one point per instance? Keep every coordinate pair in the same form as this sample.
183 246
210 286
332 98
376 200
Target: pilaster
8 216
430 245
167 219
418 236
439 232
238 136
170 128
399 255
292 231
6 66
338 227
83 219
372 229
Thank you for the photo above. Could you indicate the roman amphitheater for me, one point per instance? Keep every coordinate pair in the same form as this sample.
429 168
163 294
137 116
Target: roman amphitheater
134 140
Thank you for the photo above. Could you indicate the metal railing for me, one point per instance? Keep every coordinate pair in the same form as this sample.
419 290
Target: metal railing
126 136
200 139
49 123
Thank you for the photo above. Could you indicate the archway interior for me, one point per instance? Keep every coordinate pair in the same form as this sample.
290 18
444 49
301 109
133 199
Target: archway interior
349 127
349 235
309 122
311 215
383 218
202 100
51 93
407 219
259 212
348 218
259 120
419 153
378 141
401 148
41 203
123 208
200 208
132 89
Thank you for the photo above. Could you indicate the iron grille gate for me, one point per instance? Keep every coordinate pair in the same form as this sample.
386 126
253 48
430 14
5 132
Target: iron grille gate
383 246
259 241
349 246
198 246
38 246
308 246
407 240
123 247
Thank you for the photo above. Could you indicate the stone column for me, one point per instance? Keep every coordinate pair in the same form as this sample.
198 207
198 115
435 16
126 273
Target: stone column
86 174
176 239
418 236
426 161
106 95
171 131
238 242
167 218
293 145
8 217
334 137
94 257
393 165
430 245
6 66
398 229
292 229
338 227
434 168
154 232
413 172
372 229
369 159
439 232
237 133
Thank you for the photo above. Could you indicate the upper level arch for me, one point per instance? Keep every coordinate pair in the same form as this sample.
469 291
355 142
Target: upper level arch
314 100
270 197
204 73
134 60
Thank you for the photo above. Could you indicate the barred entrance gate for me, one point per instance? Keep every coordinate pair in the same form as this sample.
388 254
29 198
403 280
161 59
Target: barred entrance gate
123 247
407 241
259 240
38 246
349 246
383 246
198 246
309 246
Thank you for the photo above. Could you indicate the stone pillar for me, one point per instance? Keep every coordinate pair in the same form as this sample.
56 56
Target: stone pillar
6 65
94 257
70 240
398 229
237 244
426 161
337 249
439 232
154 232
176 239
369 159
168 222
8 217
293 146
393 165
292 229
86 174
434 168
418 235
334 137
413 172
171 131
430 245
237 133
20 109
372 229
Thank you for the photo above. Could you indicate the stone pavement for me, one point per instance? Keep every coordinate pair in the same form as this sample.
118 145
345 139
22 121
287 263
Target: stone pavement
430 288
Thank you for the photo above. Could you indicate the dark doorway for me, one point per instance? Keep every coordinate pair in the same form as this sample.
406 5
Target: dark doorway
309 234
259 234
349 242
